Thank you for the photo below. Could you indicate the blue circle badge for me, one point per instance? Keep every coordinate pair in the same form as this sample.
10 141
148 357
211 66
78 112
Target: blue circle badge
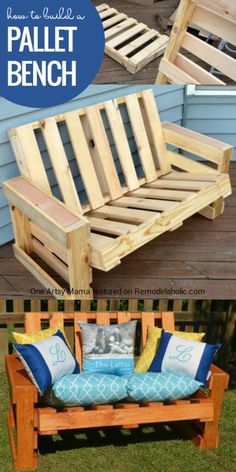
50 51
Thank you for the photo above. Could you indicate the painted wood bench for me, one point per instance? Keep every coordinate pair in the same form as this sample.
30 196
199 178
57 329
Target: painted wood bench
217 17
114 201
29 421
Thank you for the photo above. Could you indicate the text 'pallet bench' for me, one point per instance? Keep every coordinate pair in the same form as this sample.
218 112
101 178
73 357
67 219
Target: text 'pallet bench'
129 42
119 184
197 417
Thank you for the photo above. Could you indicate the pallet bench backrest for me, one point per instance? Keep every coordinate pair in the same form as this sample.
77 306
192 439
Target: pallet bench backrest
217 17
98 138
35 321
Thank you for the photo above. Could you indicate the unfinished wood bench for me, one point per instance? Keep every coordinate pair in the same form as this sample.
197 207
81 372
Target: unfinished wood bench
129 42
218 18
29 421
114 201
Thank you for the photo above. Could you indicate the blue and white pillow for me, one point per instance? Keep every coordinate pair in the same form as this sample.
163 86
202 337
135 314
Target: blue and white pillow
160 386
184 357
90 389
48 360
108 349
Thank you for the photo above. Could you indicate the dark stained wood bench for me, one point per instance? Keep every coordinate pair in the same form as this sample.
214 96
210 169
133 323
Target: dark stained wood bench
198 417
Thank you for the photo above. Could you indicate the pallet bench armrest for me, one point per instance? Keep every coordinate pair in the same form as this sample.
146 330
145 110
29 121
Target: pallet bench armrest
44 210
46 227
191 141
18 379
218 377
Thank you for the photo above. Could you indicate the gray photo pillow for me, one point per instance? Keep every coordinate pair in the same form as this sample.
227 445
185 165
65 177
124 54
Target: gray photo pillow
108 349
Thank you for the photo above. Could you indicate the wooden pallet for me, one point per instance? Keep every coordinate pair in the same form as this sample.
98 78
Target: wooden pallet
27 420
216 17
129 42
129 201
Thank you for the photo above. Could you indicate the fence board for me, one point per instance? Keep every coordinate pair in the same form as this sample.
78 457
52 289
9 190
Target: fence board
216 318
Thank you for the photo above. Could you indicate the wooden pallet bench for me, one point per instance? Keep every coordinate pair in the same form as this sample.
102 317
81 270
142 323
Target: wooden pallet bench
113 201
218 18
129 42
201 412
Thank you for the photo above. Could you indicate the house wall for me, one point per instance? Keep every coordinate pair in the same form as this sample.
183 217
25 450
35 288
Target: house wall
213 115
170 101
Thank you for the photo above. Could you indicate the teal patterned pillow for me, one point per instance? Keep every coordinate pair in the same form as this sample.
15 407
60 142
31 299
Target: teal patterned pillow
160 386
108 349
90 389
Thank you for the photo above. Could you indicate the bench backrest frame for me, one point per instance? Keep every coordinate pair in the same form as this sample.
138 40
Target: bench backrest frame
34 322
92 151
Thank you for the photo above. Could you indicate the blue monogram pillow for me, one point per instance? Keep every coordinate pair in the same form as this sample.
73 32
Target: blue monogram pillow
47 361
184 357
108 349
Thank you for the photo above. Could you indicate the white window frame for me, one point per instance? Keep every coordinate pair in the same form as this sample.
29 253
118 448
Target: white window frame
194 90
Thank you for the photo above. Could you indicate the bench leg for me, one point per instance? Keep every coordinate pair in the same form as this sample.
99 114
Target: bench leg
24 449
214 210
210 435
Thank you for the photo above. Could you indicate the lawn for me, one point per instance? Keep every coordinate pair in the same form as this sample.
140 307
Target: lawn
145 450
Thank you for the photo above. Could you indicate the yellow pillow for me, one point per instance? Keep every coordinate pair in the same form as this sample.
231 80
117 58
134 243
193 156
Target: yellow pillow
29 338
151 346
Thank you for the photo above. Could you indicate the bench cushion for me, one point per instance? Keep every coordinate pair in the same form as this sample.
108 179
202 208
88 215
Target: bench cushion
184 357
90 389
148 387
34 337
152 344
47 360
108 349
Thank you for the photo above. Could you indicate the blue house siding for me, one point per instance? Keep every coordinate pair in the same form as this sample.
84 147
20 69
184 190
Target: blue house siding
214 116
170 101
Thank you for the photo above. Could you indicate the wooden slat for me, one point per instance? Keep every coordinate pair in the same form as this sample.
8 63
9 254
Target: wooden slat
145 204
204 177
110 227
161 193
174 74
123 317
60 165
168 321
194 142
103 318
147 320
124 214
188 164
120 416
210 21
136 43
197 72
209 54
154 129
180 184
144 150
113 20
102 146
117 29
121 143
32 322
28 156
113 43
158 44
84 160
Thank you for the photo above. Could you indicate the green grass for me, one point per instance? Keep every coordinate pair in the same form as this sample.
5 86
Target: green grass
144 450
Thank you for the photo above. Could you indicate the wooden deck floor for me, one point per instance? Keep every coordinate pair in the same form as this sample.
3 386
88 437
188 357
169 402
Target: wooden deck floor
198 260
111 71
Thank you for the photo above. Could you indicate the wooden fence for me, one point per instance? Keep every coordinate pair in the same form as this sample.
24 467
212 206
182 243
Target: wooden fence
216 318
